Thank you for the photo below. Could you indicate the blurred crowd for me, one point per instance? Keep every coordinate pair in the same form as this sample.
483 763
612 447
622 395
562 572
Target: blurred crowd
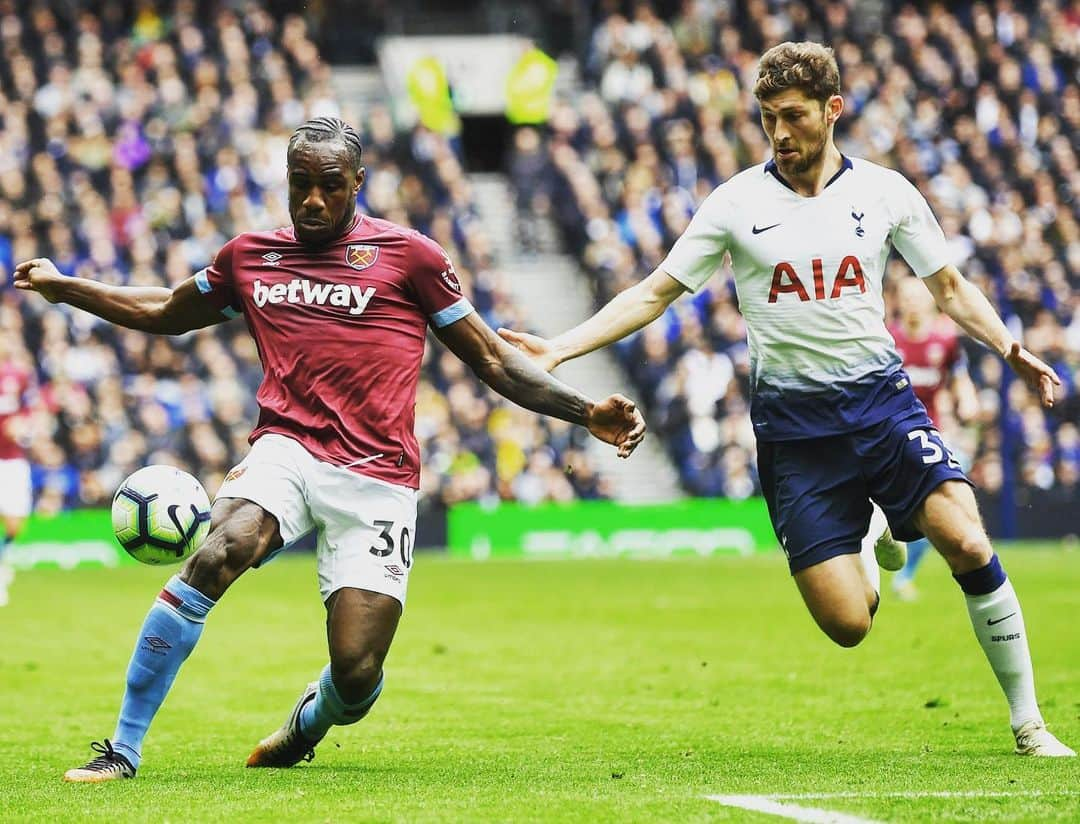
133 144
977 103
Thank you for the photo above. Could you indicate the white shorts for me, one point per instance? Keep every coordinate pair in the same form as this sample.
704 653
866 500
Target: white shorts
365 526
16 499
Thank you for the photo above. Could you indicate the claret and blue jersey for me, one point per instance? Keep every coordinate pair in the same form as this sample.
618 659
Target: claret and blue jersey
808 274
340 330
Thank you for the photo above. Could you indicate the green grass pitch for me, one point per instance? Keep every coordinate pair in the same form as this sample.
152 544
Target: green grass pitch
574 691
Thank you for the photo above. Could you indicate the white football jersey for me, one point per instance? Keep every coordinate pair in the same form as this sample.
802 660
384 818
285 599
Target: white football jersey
808 274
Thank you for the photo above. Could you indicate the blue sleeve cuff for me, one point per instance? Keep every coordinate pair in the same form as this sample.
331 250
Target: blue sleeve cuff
203 282
454 312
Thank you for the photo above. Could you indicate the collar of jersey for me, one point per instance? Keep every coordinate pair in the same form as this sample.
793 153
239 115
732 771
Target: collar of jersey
845 164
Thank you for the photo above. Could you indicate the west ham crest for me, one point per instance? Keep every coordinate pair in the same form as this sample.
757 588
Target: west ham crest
361 255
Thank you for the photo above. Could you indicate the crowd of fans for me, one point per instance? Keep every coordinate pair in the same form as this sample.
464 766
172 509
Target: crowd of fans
133 145
977 103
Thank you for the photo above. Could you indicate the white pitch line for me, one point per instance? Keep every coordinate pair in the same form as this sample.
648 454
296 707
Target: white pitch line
923 794
774 804
810 815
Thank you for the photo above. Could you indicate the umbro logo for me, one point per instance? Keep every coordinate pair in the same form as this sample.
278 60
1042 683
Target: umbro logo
271 258
157 644
758 231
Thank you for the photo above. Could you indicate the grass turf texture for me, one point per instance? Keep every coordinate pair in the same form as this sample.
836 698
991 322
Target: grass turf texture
576 691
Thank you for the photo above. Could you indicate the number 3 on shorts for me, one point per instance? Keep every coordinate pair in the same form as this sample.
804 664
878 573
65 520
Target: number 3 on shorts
933 448
405 541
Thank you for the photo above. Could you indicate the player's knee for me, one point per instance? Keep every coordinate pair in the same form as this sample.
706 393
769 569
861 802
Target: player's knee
848 630
204 569
227 552
356 673
970 550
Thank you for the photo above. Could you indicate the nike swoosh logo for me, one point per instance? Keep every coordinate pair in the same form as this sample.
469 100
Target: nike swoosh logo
758 231
990 621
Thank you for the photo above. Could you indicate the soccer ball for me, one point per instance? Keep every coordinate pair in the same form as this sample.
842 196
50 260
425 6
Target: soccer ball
160 514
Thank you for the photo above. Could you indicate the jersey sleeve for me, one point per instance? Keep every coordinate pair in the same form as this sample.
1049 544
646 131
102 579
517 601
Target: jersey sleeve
916 234
216 281
699 251
435 284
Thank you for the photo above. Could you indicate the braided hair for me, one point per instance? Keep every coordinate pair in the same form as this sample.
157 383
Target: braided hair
323 129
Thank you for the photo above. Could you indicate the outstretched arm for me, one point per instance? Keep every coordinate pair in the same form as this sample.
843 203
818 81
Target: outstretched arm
146 308
962 301
614 420
627 312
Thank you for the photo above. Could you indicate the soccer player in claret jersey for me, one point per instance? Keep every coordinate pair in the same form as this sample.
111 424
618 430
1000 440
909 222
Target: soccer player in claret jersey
935 361
339 305
836 420
16 382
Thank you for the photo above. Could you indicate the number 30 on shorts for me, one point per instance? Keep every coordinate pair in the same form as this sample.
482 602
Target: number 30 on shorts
932 448
387 546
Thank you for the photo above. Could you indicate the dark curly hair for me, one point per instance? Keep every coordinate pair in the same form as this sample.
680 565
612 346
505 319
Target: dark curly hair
807 66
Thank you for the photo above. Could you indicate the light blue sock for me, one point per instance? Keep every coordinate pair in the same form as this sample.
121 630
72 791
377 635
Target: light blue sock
915 552
167 637
329 710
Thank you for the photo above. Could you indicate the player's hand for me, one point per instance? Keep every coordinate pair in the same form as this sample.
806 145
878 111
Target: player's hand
39 275
616 420
539 349
1036 374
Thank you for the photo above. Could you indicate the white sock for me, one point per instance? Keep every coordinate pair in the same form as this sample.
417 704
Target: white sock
878 522
999 626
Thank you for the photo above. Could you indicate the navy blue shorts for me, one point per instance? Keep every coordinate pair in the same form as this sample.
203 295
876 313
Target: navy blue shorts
819 490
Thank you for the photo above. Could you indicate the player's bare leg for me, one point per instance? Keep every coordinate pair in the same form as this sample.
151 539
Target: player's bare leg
360 627
9 528
241 534
950 518
840 597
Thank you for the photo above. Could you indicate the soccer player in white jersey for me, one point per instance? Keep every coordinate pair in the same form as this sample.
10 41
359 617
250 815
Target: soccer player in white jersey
835 417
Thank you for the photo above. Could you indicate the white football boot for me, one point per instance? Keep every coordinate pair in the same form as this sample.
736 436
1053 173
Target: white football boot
108 766
1033 738
891 554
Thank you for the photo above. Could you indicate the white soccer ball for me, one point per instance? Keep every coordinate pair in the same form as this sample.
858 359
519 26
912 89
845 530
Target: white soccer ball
160 514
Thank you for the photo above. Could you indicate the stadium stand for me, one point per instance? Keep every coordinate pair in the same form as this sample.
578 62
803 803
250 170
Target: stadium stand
975 102
133 146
